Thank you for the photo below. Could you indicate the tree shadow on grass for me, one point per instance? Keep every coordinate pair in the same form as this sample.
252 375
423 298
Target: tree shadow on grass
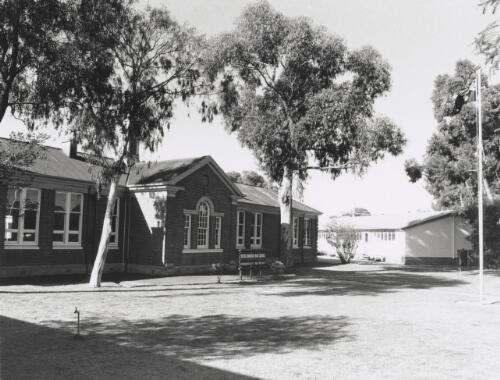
219 336
29 351
321 281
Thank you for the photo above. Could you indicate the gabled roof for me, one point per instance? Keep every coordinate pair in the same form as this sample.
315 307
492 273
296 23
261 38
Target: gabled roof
57 164
161 171
261 196
172 172
390 222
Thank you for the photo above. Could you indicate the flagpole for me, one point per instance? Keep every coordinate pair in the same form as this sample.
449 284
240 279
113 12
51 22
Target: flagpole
480 183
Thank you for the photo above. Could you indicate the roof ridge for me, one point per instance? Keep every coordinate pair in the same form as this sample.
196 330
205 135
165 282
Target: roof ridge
26 142
171 159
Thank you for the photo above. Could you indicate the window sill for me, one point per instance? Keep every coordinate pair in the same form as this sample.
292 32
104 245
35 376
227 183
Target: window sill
8 247
113 246
62 247
202 250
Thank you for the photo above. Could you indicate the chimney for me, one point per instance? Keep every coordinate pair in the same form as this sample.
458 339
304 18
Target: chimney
73 147
134 148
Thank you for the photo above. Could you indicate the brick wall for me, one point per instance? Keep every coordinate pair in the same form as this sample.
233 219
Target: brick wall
197 186
46 254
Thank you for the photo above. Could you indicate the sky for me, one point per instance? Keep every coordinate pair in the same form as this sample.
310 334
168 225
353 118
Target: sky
419 38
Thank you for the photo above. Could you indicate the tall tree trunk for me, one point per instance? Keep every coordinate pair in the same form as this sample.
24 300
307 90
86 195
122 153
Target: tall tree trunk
102 251
285 202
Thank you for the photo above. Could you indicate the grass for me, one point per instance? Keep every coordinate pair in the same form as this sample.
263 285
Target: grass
326 322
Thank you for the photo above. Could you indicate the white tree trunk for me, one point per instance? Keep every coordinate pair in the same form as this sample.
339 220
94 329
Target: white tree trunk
102 251
285 202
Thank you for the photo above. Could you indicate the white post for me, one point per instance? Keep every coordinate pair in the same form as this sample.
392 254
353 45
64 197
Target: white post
480 183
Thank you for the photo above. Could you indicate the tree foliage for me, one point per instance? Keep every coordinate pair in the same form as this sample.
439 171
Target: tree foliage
47 47
251 178
488 41
413 170
154 62
295 95
293 91
345 240
29 33
450 163
20 153
449 166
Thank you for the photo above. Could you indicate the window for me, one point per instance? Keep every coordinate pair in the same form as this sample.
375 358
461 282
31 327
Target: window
187 230
115 217
240 229
218 225
307 232
22 216
256 236
295 232
67 219
203 218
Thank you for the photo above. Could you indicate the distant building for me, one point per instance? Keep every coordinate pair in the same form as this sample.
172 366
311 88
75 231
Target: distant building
413 238
170 217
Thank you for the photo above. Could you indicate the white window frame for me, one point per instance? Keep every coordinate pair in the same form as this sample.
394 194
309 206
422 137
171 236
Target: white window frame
256 243
295 232
117 224
307 233
218 228
20 225
240 239
205 229
67 213
187 217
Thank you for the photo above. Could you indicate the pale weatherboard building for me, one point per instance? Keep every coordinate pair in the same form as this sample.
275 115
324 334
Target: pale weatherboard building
432 237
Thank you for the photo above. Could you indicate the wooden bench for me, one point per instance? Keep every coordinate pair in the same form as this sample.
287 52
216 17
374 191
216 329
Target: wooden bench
251 259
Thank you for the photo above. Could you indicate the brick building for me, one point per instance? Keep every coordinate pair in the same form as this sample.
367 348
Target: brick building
171 217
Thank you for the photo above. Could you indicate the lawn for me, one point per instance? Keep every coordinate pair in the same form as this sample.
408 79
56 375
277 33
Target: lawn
326 322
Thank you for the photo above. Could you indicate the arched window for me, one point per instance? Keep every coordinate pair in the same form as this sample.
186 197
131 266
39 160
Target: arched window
203 224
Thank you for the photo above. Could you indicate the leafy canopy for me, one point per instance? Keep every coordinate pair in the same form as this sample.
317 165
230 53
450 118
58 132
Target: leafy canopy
449 166
294 93
248 178
29 31
488 41
123 91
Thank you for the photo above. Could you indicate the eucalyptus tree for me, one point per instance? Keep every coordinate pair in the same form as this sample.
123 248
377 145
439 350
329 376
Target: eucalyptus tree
488 41
298 98
449 167
28 36
40 43
148 62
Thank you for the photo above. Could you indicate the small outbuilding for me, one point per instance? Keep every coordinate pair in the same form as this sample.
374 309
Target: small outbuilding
433 237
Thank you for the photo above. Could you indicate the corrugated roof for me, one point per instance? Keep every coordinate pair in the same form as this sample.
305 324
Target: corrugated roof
148 172
267 197
57 164
388 221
